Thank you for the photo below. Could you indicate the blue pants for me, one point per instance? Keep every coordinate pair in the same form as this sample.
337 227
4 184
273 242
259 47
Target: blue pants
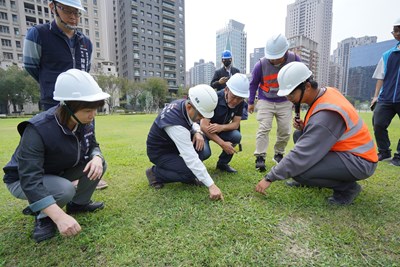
232 136
383 115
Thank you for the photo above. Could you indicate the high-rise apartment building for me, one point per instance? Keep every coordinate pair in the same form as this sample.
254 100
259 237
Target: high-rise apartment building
151 40
201 73
232 37
255 57
313 19
16 17
307 50
341 57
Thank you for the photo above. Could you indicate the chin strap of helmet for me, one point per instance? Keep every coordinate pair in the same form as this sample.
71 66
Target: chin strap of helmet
66 25
71 112
297 105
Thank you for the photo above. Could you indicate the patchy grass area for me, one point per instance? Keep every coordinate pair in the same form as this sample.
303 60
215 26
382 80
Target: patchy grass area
179 226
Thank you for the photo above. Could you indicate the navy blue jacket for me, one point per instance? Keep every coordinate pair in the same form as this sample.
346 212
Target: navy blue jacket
59 150
48 52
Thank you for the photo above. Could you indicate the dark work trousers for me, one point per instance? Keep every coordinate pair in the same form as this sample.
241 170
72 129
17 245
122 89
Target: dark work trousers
232 136
170 168
61 188
329 172
383 115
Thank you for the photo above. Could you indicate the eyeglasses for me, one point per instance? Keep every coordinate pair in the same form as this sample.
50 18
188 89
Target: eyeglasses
70 12
395 32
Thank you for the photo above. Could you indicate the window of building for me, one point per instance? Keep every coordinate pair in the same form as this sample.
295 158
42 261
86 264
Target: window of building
97 45
4 29
13 5
18 44
3 16
96 33
2 2
7 55
14 18
6 42
95 2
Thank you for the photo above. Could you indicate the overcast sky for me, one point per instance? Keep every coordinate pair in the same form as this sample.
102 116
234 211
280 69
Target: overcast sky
262 18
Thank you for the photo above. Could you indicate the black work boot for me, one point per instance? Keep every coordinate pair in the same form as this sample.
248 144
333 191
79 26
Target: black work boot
345 197
260 164
44 229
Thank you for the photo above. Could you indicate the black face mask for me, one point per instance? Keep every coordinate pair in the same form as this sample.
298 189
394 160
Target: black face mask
227 62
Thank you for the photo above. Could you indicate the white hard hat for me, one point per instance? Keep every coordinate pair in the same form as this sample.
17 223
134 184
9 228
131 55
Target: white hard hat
276 46
77 85
72 3
204 98
397 22
238 84
290 76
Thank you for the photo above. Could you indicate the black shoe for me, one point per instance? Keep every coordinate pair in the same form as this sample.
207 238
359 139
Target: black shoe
226 168
384 155
260 164
152 179
44 229
90 207
395 160
345 197
277 157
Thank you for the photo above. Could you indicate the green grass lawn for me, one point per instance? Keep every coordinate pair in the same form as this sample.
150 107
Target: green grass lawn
179 226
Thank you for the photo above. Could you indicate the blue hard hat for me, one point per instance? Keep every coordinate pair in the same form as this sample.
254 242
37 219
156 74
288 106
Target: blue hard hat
226 54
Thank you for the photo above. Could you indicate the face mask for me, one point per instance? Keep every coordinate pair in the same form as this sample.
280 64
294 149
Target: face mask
227 63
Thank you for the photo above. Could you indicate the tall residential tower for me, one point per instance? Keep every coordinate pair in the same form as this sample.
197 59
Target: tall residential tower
152 40
313 19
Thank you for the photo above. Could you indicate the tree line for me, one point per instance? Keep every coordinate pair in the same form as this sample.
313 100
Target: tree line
18 88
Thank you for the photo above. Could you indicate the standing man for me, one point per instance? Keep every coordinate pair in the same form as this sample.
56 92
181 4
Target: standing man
387 98
269 105
222 75
52 48
334 148
174 138
223 127
55 47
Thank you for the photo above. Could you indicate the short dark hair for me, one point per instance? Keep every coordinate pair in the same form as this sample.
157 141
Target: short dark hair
64 115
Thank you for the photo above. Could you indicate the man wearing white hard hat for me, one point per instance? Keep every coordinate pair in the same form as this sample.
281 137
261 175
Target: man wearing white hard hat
386 100
45 163
265 86
175 140
48 48
333 147
223 127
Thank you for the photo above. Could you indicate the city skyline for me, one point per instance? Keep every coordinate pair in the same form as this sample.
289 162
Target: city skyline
354 18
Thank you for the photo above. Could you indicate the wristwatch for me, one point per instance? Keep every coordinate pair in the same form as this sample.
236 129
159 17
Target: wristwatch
268 180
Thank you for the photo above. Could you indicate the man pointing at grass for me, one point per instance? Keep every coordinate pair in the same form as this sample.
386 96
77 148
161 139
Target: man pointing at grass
333 147
174 138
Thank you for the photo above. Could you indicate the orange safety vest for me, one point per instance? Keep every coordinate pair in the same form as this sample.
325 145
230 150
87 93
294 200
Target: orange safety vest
356 139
